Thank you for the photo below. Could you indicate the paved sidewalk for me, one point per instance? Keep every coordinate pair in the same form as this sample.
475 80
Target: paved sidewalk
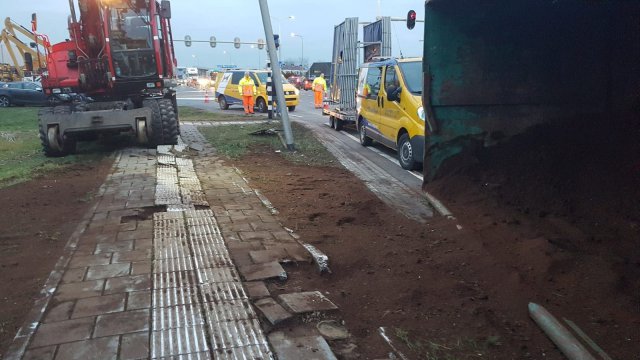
168 264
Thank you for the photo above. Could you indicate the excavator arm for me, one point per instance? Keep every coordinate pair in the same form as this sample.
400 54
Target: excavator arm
11 41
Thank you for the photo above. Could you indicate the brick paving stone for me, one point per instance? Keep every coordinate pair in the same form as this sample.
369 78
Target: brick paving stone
265 256
139 300
43 353
143 244
134 346
263 271
99 305
245 245
256 289
134 255
114 247
79 290
304 302
62 332
89 260
266 226
141 267
230 236
255 235
305 347
295 252
236 227
73 275
283 236
241 258
108 271
94 349
128 284
272 311
128 235
59 312
122 323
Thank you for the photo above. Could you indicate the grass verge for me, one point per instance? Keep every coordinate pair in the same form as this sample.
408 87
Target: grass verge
21 156
234 141
188 113
461 348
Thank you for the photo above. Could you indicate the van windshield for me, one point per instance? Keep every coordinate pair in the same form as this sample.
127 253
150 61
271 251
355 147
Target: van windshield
412 74
262 76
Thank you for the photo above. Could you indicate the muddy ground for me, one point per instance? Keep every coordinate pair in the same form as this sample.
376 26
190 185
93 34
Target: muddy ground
538 224
37 219
450 287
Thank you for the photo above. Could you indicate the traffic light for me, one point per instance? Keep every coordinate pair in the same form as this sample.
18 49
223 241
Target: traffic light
411 19
212 41
276 39
236 43
187 40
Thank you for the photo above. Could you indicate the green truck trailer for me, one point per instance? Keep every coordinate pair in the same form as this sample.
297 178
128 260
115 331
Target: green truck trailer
494 69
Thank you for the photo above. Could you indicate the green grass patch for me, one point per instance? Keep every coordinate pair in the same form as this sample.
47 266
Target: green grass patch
21 156
234 141
188 113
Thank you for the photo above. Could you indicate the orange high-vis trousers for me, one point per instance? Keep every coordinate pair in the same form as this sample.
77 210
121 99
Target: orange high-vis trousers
317 100
247 102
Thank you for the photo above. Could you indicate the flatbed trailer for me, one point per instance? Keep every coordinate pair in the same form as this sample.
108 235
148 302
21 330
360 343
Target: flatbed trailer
339 118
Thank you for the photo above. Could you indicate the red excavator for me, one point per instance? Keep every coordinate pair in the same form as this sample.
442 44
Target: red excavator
114 74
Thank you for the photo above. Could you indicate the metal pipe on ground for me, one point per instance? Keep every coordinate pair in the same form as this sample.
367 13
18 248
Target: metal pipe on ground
567 343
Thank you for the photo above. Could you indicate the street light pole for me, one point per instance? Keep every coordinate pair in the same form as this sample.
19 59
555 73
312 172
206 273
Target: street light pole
276 73
302 40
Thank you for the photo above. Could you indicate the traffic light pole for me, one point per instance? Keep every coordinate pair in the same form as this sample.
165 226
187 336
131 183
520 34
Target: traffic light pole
276 74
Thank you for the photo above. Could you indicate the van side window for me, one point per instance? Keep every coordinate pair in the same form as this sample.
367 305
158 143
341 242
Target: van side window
391 81
237 76
373 82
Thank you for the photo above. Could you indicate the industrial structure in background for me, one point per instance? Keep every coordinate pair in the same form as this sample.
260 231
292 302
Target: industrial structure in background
115 74
26 58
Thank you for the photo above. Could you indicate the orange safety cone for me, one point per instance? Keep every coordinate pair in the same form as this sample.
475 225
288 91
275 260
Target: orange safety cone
206 97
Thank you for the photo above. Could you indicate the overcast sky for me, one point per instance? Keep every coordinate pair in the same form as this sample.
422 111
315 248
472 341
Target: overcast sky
226 19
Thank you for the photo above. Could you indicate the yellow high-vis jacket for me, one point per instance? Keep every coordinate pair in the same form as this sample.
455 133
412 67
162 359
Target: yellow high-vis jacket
319 84
246 87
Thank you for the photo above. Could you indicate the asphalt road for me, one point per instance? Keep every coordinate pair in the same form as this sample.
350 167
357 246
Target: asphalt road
376 165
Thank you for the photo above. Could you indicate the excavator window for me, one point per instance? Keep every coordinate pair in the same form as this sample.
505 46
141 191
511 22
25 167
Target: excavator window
132 42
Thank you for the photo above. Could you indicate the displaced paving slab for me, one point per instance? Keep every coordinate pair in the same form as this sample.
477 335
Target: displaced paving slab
273 311
306 347
264 271
256 289
304 302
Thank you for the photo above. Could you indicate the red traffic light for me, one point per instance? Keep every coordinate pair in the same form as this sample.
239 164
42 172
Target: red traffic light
411 19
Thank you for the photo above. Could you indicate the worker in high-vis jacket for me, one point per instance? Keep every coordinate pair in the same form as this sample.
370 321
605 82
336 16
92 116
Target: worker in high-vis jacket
247 88
319 87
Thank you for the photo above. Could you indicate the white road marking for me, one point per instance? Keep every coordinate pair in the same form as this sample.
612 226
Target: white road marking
386 156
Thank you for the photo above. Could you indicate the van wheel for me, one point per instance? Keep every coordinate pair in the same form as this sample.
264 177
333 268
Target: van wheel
261 105
223 102
405 153
292 108
364 139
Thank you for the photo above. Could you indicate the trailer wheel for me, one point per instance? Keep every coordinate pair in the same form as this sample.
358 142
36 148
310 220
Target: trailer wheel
362 132
338 124
332 122
405 153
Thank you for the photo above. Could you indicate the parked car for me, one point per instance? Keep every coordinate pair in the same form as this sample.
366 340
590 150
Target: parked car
296 81
22 93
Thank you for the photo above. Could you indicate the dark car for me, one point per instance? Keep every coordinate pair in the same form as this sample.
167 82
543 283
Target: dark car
22 93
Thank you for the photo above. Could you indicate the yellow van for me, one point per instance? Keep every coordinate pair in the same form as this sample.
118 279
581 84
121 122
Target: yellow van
227 90
389 107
